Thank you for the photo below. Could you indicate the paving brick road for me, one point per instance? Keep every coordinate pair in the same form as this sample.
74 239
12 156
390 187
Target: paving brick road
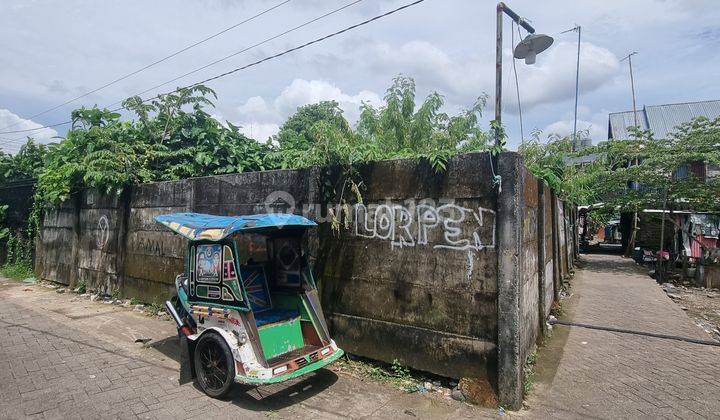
586 373
66 357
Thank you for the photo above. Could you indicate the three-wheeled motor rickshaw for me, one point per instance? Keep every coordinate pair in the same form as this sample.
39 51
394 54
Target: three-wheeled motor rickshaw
247 308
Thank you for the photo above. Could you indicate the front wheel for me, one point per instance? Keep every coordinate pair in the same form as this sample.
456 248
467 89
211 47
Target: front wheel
214 365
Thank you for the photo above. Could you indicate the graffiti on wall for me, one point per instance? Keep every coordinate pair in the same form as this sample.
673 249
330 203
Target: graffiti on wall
149 246
103 232
448 226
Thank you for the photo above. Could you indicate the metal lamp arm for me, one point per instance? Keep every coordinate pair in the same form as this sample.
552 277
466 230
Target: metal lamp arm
502 8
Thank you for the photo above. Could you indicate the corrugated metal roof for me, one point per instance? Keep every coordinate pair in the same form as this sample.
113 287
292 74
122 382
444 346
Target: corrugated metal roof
661 119
620 122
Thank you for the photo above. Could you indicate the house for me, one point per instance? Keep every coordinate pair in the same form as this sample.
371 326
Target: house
691 235
662 120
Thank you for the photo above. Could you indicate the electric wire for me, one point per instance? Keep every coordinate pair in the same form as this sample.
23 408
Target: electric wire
227 57
265 41
154 63
268 58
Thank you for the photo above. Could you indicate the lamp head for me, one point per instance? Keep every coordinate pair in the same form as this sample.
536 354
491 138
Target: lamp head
531 46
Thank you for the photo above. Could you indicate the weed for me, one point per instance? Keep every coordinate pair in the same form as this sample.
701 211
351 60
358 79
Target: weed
154 308
396 374
135 301
81 287
529 372
17 271
18 264
399 371
556 310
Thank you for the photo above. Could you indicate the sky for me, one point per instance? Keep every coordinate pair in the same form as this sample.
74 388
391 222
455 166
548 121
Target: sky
53 51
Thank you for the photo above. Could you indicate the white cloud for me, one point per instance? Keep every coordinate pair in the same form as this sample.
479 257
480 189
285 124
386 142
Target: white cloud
258 110
431 66
259 131
551 80
302 92
254 129
261 119
597 131
11 142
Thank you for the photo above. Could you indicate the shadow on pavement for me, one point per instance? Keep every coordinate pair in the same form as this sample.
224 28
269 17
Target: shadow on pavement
610 265
611 249
267 397
278 396
168 346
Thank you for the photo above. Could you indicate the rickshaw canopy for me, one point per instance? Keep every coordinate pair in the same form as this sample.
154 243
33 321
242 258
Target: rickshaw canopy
198 226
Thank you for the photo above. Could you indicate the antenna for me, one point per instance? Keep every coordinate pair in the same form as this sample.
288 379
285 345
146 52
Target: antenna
632 84
577 28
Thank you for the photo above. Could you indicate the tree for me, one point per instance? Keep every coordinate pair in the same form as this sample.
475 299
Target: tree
637 173
401 130
299 131
172 138
26 164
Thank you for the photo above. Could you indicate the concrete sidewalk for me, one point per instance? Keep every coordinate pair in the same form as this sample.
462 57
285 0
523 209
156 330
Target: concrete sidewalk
585 373
66 357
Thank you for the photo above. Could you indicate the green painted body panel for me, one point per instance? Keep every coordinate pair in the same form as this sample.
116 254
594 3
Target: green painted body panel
286 301
294 374
281 337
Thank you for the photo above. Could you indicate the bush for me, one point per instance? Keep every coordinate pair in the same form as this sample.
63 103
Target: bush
18 264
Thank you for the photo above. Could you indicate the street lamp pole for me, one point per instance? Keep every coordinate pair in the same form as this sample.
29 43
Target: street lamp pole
527 49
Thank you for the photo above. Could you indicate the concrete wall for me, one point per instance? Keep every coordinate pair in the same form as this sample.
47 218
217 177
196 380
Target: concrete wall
530 298
56 249
521 289
436 270
417 267
99 240
153 255
563 261
547 255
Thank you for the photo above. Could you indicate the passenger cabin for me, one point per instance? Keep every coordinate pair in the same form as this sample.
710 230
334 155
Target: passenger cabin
256 265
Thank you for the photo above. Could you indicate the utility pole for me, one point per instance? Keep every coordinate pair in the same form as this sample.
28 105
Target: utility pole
632 84
633 233
578 29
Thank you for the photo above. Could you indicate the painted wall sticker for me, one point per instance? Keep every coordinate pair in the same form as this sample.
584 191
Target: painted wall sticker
208 263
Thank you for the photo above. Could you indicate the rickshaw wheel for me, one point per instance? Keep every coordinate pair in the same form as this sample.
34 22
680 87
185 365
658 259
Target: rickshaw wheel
214 365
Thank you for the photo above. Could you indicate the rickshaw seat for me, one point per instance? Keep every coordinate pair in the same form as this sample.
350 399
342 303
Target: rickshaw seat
255 283
271 316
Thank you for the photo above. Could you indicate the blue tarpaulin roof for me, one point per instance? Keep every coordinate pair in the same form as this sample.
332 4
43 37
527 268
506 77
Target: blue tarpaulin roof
197 226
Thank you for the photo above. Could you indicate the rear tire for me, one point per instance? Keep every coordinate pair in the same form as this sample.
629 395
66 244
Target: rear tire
214 365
